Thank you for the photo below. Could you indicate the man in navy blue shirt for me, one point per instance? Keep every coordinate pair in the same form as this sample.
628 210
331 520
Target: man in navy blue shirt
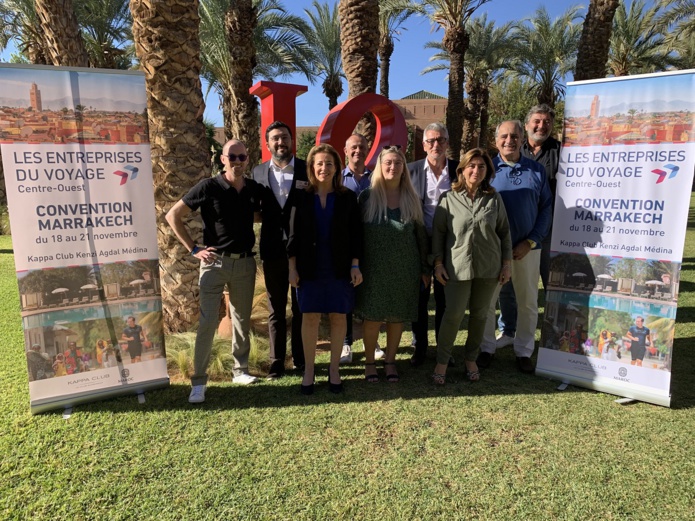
524 188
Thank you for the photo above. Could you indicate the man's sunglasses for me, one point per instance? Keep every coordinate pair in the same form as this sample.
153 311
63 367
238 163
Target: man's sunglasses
240 157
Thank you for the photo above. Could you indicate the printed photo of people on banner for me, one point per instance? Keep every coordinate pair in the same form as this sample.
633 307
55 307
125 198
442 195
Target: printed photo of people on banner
623 192
78 173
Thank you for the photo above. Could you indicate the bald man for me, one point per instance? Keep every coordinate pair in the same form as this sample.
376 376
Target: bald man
228 205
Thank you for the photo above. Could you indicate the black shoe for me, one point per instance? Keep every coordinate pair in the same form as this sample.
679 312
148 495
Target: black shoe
276 371
417 360
524 364
335 388
484 360
307 390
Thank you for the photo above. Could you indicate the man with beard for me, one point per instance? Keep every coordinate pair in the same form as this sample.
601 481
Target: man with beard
280 179
542 147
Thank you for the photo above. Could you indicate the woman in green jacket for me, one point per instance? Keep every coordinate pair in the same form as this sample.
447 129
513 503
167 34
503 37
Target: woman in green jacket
472 253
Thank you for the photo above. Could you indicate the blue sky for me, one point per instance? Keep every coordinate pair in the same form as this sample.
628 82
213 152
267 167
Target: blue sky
408 60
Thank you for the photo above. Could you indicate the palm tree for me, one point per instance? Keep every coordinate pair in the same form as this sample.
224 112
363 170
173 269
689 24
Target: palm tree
392 16
677 22
106 31
685 53
359 44
64 45
169 52
595 40
20 23
489 50
637 44
680 16
274 45
547 51
239 23
452 15
324 39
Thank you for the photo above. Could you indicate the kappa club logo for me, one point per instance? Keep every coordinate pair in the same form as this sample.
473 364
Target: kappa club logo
132 172
663 173
622 372
125 373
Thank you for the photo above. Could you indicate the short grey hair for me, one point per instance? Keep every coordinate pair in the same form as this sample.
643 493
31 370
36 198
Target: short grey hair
540 109
516 123
436 127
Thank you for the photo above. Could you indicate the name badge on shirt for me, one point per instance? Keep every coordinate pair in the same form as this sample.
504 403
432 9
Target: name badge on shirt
302 184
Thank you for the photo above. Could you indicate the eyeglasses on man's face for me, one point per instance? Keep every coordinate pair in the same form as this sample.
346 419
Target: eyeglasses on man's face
240 157
439 140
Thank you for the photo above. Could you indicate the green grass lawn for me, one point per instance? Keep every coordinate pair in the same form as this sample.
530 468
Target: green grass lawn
508 447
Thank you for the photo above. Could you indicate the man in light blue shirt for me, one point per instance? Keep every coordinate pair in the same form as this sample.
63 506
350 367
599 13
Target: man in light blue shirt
523 185
356 177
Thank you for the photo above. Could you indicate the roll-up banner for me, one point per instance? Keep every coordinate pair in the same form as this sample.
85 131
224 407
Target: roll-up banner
78 175
621 212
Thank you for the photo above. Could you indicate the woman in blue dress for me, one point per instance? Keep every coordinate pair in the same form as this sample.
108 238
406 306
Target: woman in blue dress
324 250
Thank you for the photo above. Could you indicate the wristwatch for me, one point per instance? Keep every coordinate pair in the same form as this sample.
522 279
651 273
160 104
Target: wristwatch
195 249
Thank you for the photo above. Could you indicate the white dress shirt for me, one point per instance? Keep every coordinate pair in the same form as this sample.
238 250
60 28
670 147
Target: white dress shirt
280 180
435 188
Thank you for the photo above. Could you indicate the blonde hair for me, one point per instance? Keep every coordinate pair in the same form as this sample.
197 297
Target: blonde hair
376 207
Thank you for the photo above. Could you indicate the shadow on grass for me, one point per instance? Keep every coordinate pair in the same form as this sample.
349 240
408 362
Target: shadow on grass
501 379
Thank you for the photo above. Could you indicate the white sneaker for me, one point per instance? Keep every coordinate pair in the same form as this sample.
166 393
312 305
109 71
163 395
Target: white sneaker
244 379
504 340
346 354
378 353
197 394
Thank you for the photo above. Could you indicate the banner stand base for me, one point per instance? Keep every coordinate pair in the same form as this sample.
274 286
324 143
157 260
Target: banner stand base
141 397
625 401
67 413
562 386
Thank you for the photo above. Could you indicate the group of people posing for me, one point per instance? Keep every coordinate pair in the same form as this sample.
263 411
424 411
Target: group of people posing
374 244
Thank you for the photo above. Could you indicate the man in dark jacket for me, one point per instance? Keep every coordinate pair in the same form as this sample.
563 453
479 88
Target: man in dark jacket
280 178
431 177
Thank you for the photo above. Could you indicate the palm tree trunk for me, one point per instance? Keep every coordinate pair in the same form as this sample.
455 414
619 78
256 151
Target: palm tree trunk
165 33
484 118
595 41
456 42
62 33
240 21
471 114
332 88
385 52
227 114
359 42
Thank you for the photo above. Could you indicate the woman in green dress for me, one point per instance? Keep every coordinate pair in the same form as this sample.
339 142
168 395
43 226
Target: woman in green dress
394 259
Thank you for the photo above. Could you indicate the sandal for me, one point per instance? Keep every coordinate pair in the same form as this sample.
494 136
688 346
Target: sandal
393 377
473 376
371 378
438 379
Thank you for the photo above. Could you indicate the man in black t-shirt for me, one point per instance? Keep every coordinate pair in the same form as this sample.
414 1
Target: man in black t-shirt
135 336
228 205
